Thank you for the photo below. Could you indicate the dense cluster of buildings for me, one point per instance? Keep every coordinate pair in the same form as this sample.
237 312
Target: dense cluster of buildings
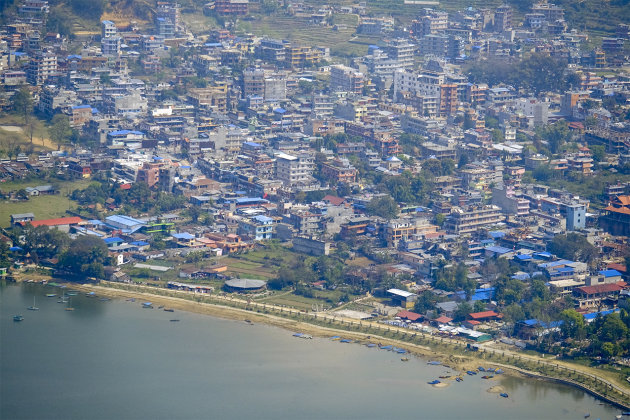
249 148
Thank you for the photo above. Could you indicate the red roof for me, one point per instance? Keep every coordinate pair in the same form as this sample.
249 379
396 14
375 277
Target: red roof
473 322
616 266
482 315
125 186
600 288
443 319
335 201
411 316
57 222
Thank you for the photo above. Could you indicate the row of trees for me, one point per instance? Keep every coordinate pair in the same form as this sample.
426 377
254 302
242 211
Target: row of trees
139 197
83 257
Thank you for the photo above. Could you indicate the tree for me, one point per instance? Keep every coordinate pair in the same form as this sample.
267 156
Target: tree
85 257
22 103
556 135
463 310
573 324
573 246
60 131
599 152
439 219
384 206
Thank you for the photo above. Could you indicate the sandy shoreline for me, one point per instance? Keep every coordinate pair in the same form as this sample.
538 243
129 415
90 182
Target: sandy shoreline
454 362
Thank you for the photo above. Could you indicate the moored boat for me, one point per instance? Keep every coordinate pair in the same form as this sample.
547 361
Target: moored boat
434 362
172 310
471 372
404 359
503 394
33 308
18 318
345 340
459 379
488 376
51 294
434 382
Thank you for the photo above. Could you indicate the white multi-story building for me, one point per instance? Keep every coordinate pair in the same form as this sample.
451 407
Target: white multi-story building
108 28
293 170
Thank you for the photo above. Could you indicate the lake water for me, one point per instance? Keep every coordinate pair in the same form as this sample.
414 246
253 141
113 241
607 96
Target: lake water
117 360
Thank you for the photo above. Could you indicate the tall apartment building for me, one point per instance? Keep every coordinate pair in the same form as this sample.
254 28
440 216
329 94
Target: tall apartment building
468 220
41 67
402 51
167 19
321 105
503 18
110 41
293 170
433 22
108 28
253 82
346 79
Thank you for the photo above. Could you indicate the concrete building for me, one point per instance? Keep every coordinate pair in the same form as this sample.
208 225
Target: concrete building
41 66
468 220
346 79
293 170
311 246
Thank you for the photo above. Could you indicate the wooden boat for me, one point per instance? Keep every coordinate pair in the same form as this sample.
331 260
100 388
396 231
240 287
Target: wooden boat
345 340
488 376
471 372
434 382
335 338
503 394
18 318
444 376
459 379
434 362
51 294
174 320
404 359
173 310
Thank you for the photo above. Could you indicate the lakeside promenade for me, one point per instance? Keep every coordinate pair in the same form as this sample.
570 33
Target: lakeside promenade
450 350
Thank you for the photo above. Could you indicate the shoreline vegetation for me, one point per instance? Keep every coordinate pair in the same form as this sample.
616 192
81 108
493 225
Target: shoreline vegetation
451 352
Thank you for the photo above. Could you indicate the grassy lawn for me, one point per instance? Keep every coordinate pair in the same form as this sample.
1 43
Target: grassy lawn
44 207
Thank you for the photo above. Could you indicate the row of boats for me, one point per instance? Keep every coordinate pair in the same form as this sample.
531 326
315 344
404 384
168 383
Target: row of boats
65 298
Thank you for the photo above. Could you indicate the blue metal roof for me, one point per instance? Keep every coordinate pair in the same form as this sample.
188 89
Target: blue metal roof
250 200
498 249
140 243
183 235
524 257
497 234
124 132
610 273
112 240
124 220
593 315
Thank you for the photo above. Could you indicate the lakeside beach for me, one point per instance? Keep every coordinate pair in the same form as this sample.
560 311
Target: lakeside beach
461 363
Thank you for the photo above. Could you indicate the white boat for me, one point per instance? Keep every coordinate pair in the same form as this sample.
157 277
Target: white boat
33 308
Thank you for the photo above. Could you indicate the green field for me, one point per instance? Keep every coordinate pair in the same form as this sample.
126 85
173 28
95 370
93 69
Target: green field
44 207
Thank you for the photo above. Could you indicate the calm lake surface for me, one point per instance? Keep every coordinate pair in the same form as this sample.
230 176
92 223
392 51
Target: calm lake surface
117 360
